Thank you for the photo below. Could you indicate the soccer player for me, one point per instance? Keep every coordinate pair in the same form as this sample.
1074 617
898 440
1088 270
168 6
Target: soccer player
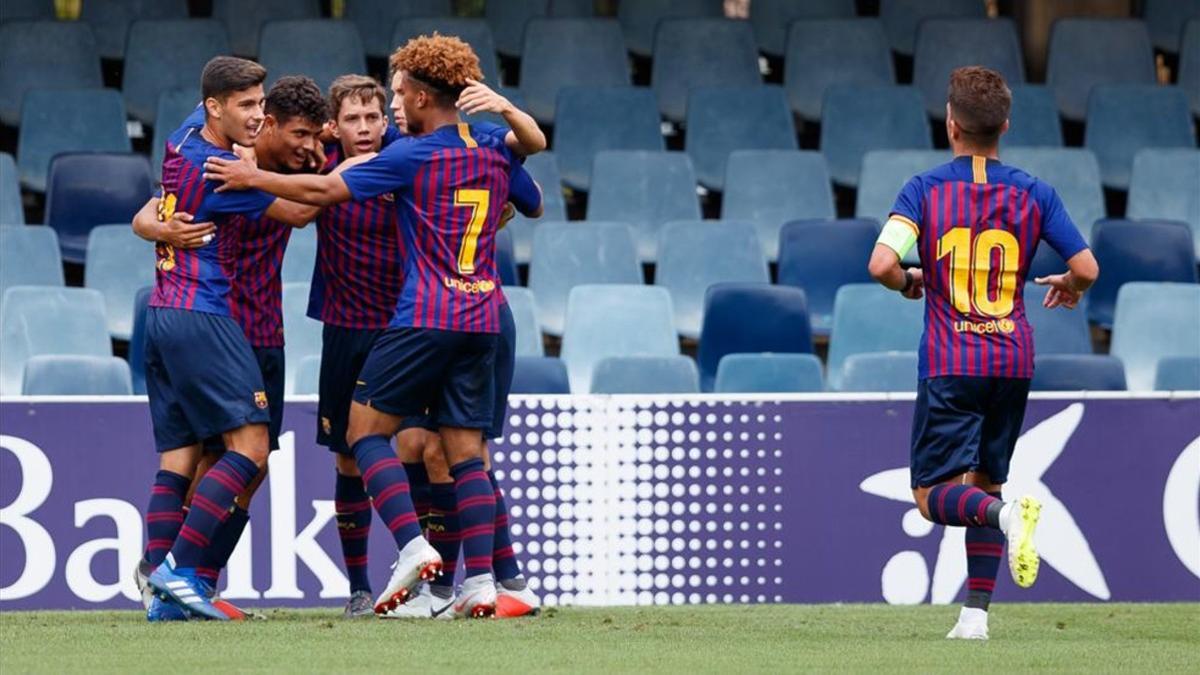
977 223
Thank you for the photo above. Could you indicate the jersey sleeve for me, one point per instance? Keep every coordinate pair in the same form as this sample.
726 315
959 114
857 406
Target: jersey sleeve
250 203
910 204
523 192
1058 229
392 169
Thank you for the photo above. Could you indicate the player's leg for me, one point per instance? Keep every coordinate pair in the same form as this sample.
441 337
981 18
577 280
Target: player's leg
443 531
984 549
410 444
1001 430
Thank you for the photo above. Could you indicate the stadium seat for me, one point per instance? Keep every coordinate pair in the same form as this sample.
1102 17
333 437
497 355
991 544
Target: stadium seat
308 376
721 120
640 19
821 256
1154 321
884 173
540 375
137 340
38 10
869 318
751 318
694 255
855 120
11 210
55 121
902 18
375 19
569 53
1087 52
167 55
566 255
331 48
646 375
880 372
615 320
1123 119
525 315
691 53
27 62
1077 372
45 320
834 51
1075 175
946 44
89 189
474 32
1147 250
119 263
174 106
771 187
1059 330
1166 19
506 263
244 20
769 374
509 21
591 119
1163 186
1189 64
644 189
300 256
75 375
303 334
1033 119
771 19
29 256
110 21
1177 373
543 167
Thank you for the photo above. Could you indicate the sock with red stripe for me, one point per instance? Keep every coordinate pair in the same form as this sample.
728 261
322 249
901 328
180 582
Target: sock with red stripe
504 560
985 548
386 482
476 515
352 508
963 506
210 507
164 515
418 481
223 543
443 530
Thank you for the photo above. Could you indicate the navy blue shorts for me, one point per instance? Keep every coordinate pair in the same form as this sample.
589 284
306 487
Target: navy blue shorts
343 353
966 424
414 371
271 365
201 377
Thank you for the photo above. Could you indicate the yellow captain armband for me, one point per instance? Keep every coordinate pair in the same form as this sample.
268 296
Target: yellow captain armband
899 234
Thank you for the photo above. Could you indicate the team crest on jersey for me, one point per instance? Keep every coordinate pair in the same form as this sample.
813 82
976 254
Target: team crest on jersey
260 399
326 425
388 197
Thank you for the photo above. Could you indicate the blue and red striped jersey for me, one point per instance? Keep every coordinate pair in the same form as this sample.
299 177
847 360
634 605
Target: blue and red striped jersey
450 188
978 225
256 297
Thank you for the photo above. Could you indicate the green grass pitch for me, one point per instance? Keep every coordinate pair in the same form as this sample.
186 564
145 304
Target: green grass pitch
732 639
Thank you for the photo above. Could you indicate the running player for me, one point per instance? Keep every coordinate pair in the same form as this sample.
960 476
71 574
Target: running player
977 223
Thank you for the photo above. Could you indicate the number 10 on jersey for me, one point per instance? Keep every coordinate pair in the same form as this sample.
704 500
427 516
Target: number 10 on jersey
971 270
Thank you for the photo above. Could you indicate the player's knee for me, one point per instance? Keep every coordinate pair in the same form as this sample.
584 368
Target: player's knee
182 461
435 461
410 444
345 465
921 497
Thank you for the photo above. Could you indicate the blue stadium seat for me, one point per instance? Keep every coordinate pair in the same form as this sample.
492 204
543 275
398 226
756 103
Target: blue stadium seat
769 374
75 375
1154 321
1166 19
1077 372
29 256
566 255
174 106
89 189
331 48
1087 52
834 51
569 53
615 320
946 44
1163 186
721 120
38 10
27 62
855 120
884 173
119 263
880 372
902 18
572 8
644 189
46 320
591 119
244 20
1189 64
300 256
646 375
506 263
375 19
1075 175
137 340
1147 250
1033 119
543 167
772 18
640 19
771 187
11 210
751 318
540 375
474 32
694 255
691 53
167 55
509 21
1123 119
869 318
110 21
821 256
308 376
1059 330
1177 373
67 120
303 334
525 315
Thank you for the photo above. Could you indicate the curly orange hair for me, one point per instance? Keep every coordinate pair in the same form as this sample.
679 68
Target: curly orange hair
439 60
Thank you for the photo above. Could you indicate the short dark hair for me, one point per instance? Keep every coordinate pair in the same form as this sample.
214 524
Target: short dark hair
296 96
224 75
979 102
359 87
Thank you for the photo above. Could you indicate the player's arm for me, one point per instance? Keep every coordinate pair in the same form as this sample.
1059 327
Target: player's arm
524 137
524 193
293 213
897 238
179 230
313 189
1067 289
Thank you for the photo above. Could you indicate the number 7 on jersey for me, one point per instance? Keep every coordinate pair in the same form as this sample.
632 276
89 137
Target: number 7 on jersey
479 201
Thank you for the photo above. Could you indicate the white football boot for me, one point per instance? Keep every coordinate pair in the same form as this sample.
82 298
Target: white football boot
419 605
972 625
476 598
417 562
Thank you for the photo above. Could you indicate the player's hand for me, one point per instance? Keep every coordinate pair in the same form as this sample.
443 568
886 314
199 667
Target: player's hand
480 98
507 214
1061 293
316 158
234 174
181 232
328 133
917 290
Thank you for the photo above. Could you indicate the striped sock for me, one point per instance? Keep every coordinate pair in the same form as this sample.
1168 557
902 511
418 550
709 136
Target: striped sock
963 506
214 496
386 482
223 543
164 515
476 515
504 560
418 481
353 511
443 530
985 547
